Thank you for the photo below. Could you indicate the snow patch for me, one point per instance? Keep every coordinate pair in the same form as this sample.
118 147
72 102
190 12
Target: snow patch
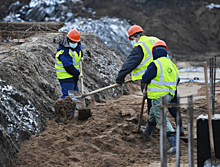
212 5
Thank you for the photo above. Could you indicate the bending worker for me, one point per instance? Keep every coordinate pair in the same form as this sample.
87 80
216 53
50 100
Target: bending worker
67 64
138 61
162 78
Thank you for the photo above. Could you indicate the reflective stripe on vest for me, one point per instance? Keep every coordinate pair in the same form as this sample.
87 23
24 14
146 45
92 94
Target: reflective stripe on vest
60 70
146 44
76 59
159 86
161 77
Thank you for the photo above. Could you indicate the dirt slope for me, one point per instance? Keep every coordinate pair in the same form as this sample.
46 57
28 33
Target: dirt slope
29 86
109 137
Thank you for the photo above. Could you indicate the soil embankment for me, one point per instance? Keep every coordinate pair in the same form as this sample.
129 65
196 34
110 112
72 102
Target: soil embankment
29 86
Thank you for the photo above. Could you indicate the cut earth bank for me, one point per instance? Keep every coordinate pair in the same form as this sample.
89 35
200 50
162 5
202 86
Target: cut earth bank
29 86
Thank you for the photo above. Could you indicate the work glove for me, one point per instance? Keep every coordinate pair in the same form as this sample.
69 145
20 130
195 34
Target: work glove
145 93
120 81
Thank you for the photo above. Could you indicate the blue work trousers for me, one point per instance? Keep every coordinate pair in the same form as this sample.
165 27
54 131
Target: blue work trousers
68 86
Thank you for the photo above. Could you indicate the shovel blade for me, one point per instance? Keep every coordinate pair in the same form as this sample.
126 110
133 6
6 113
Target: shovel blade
75 96
212 162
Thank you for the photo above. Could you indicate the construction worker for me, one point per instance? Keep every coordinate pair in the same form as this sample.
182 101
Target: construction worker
67 64
161 78
138 61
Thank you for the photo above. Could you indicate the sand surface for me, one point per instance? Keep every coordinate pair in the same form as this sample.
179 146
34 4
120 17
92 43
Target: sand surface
109 137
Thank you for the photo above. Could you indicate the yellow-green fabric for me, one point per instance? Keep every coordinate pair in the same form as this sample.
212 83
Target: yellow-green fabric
146 44
176 69
165 81
60 70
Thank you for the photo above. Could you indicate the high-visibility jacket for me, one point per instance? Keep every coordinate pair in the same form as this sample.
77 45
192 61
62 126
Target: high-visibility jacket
165 81
146 44
60 70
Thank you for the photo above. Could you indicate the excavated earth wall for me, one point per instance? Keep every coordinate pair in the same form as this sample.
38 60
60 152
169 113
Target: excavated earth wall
29 86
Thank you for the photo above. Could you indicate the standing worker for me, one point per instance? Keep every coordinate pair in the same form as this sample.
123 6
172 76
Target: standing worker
161 78
138 61
67 64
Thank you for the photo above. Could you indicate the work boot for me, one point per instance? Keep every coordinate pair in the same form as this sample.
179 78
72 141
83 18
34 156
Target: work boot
61 121
148 130
58 120
181 126
172 140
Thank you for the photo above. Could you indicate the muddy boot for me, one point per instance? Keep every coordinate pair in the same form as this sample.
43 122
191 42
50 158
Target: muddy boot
181 126
58 120
172 140
150 127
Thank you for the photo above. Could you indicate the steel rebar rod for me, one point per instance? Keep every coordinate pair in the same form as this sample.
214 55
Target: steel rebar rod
178 134
214 88
163 132
190 132
210 82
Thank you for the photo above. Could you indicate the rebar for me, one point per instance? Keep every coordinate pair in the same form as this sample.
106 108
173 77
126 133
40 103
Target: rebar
210 82
214 87
163 132
178 134
190 132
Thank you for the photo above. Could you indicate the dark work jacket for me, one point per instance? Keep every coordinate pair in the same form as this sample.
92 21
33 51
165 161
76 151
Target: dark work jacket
132 61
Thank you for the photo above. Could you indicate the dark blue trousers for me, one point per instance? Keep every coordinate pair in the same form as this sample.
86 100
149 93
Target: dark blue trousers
68 86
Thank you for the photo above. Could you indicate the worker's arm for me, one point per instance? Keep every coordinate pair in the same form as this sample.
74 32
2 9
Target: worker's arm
133 60
72 70
68 65
150 73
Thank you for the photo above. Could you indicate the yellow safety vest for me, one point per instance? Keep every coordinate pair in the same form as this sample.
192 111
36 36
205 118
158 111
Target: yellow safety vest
146 44
60 70
165 81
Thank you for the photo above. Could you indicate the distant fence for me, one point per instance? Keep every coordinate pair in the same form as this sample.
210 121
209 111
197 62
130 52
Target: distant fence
26 29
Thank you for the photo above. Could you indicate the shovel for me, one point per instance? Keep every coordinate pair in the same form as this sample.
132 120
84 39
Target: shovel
81 81
213 161
81 78
78 97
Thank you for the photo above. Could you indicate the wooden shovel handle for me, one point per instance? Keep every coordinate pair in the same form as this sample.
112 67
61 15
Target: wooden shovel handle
142 107
81 79
105 88
209 111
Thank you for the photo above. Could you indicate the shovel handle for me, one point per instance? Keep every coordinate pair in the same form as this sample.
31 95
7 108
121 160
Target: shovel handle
142 108
209 111
81 79
105 88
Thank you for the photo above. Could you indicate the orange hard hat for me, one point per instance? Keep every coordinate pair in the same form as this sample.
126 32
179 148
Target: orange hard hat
74 35
134 29
159 43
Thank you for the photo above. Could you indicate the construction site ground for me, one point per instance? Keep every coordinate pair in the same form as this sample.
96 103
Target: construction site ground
109 137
